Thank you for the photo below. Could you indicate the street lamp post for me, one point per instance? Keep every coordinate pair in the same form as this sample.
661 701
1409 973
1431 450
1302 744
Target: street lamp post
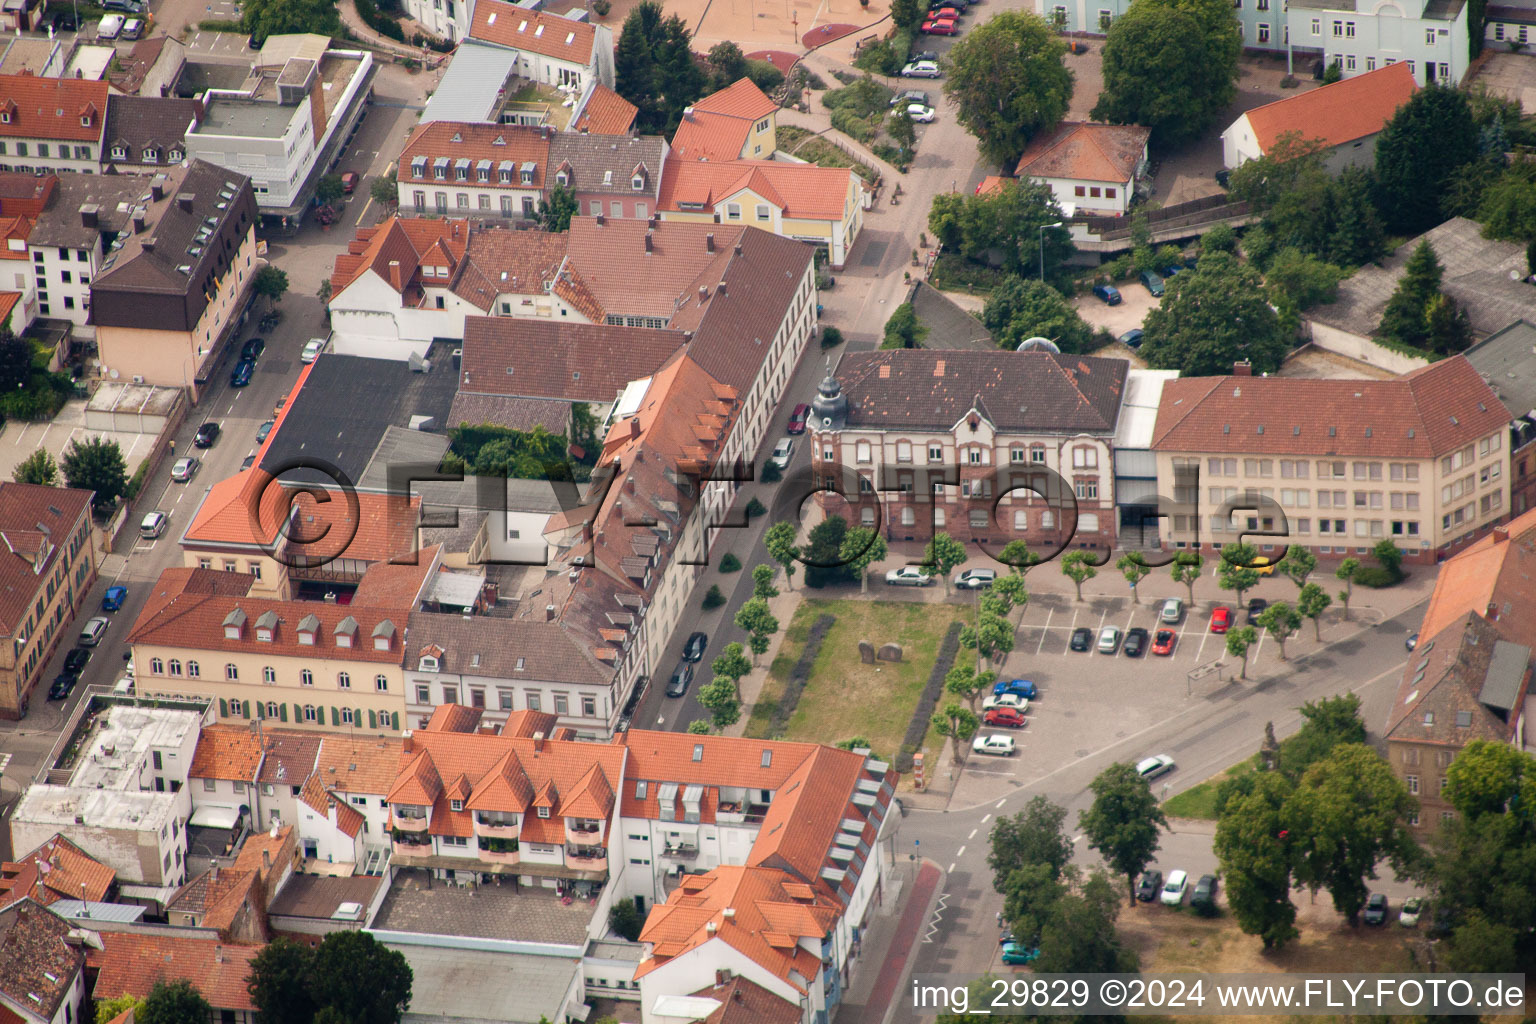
1042 246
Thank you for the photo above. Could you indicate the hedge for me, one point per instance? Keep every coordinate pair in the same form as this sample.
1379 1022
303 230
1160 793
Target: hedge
380 22
929 701
1376 576
800 675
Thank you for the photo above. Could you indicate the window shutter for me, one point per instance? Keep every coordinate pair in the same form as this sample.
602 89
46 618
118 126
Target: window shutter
261 711
223 708
245 709
298 712
394 720
282 712
372 719
335 717
357 717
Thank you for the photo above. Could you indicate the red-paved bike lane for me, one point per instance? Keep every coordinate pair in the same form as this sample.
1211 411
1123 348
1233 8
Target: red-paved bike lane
895 965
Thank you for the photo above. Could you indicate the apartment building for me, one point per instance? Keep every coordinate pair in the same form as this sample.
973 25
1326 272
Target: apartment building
1338 465
48 561
18 289
550 49
1430 36
928 440
1469 675
616 175
51 124
480 170
80 218
146 133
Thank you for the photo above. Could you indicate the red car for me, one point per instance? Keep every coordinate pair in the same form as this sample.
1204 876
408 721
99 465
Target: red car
1009 718
1221 619
941 27
944 13
797 419
349 182
1162 643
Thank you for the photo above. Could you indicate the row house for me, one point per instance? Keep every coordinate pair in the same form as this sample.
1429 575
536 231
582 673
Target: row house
80 219
51 124
130 963
1422 460
615 175
480 170
986 446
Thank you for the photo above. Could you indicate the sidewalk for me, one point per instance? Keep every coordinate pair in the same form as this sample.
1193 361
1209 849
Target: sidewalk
889 942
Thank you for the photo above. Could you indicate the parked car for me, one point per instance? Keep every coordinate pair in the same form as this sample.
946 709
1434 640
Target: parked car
1153 283
1025 688
908 576
1006 700
1007 718
312 349
1174 889
247 462
909 96
932 56
75 661
782 453
349 182
681 677
185 469
253 349
1163 643
263 430
153 525
1255 609
63 684
206 435
133 28
93 630
1263 566
941 27
113 599
1413 906
240 376
1082 638
1150 768
1375 909
1205 892
1221 619
1149 886
1135 642
975 579
921 69
1172 270
1109 639
1107 293
920 113
994 743
124 6
1014 953
944 9
693 650
64 21
1132 338
109 26
1411 641
797 418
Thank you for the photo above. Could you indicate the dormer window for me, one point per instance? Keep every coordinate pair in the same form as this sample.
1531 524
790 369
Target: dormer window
176 156
419 167
266 626
345 632
309 629
637 183
151 155
5 117
543 812
234 625
427 663
383 635
563 179
526 173
456 805
85 120
119 152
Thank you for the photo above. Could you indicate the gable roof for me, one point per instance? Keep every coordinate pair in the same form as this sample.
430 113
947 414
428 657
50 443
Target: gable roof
230 752
38 968
608 164
496 144
741 99
23 507
52 108
399 239
746 1002
535 31
571 361
56 870
499 648
606 113
1423 414
358 764
1086 151
797 190
628 276
500 261
129 963
1349 109
140 122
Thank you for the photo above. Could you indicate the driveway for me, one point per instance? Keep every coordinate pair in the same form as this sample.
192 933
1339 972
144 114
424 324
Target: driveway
1135 303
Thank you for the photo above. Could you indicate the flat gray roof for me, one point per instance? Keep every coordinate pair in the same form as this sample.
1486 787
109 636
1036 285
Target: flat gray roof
1507 361
246 119
471 87
468 986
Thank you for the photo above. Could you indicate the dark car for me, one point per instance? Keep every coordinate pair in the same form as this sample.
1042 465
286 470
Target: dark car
923 55
1205 891
75 660
1135 642
248 461
693 650
253 349
1132 338
1152 282
1411 641
206 435
263 430
1375 909
1255 609
63 21
113 599
240 376
1107 293
63 685
1082 638
797 419
1150 885
349 182
682 677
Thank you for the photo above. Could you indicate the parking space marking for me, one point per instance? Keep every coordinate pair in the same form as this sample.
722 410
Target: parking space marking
983 771
1200 651
1002 801
1045 631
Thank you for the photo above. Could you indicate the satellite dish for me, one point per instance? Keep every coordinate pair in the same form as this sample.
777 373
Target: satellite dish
1041 344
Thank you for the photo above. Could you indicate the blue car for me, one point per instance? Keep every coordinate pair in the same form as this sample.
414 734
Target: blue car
113 599
1017 953
241 376
1108 293
1132 338
1019 687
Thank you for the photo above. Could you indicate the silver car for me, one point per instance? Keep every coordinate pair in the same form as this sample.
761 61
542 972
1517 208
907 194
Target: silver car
1109 639
782 452
1151 767
92 632
185 469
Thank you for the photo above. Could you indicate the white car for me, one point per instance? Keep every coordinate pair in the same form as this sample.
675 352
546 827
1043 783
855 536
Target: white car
1174 889
1109 640
908 576
1151 767
92 632
782 452
312 349
975 579
920 112
997 744
1006 700
921 69
153 525
185 469
1413 906
109 26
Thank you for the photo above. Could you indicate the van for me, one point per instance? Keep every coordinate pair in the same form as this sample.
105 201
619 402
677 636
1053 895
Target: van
124 687
109 26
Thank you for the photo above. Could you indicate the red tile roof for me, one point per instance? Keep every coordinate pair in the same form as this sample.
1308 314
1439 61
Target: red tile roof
501 261
798 190
656 757
454 718
357 764
1427 413
741 99
535 31
26 194
1342 112
315 796
1086 151
497 143
129 963
56 870
704 136
399 239
38 967
8 301
745 1002
229 752
627 278
575 362
606 113
22 578
52 108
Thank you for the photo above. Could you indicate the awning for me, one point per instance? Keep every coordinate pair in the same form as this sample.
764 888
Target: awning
213 816
667 793
692 795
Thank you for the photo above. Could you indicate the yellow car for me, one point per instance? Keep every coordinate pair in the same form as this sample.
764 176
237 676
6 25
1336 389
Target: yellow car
1263 566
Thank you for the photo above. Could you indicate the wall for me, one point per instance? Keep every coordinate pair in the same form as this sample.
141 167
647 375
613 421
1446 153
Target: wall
67 300
499 697
72 574
466 198
637 206
1066 192
84 157
1353 346
1238 144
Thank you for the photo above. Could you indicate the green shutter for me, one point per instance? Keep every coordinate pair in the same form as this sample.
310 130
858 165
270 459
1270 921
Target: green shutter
282 712
245 709
223 708
373 719
298 712
357 717
394 720
335 717
260 710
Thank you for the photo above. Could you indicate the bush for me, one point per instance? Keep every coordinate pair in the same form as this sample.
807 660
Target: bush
831 337
922 715
219 25
601 8
713 598
763 73
852 125
1375 577
770 473
730 563
755 508
954 273
377 20
136 482
813 80
893 155
626 920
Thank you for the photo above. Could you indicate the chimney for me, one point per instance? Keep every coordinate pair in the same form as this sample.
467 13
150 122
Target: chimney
728 913
738 248
629 483
709 242
185 200
148 245
395 281
538 742
650 240
736 994
634 427
549 613
218 954
1501 533
1493 611
711 928
266 862
703 294
157 189
720 288
88 215
407 742
687 113
138 220
1242 369
214 875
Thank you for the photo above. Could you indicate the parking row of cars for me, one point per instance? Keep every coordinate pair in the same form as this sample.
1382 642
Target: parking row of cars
1170 892
91 635
1153 281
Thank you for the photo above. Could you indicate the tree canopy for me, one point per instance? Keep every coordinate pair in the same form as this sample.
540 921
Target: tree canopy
1420 148
654 68
1212 317
174 1002
1419 313
96 464
350 977
1123 823
263 18
1020 309
1006 223
1033 835
1008 80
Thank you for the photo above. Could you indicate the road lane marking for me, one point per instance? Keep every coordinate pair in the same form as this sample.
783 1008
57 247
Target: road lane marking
959 853
951 871
1001 802
986 818
973 833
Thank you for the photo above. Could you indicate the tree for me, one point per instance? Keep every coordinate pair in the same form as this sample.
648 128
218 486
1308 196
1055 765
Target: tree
699 727
721 697
901 129
1297 565
760 624
382 189
1282 621
1349 813
1186 569
1031 892
1407 317
1007 77
732 664
1389 556
680 79
727 65
1212 317
1482 865
270 284
1425 142
175 1002
762 582
823 554
626 920
1346 572
779 540
1077 567
1221 238
1252 848
1311 603
279 982
1031 836
904 329
862 547
555 213
908 14
634 71
1481 946
108 1010
1327 724
943 554
1448 326
1170 65
15 362
1491 778
1012 589
37 468
96 465
1302 279
1290 161
654 68
1233 573
958 724
1020 308
990 637
965 682
263 18
1238 642
1135 569
1018 558
329 188
1080 936
1124 822
359 978
1011 223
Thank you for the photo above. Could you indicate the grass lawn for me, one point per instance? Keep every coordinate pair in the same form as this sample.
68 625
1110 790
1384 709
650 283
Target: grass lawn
808 146
1200 801
846 698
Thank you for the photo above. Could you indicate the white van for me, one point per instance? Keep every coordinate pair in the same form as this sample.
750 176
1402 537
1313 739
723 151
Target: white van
124 687
110 26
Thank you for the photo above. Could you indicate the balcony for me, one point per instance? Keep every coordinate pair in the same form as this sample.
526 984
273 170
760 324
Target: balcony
579 858
681 851
494 830
407 847
583 833
401 824
499 851
727 813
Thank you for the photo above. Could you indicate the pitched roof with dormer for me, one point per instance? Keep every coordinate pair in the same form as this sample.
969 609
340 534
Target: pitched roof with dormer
1086 151
492 148
56 870
608 164
34 107
402 242
540 32
718 126
1349 109
801 191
